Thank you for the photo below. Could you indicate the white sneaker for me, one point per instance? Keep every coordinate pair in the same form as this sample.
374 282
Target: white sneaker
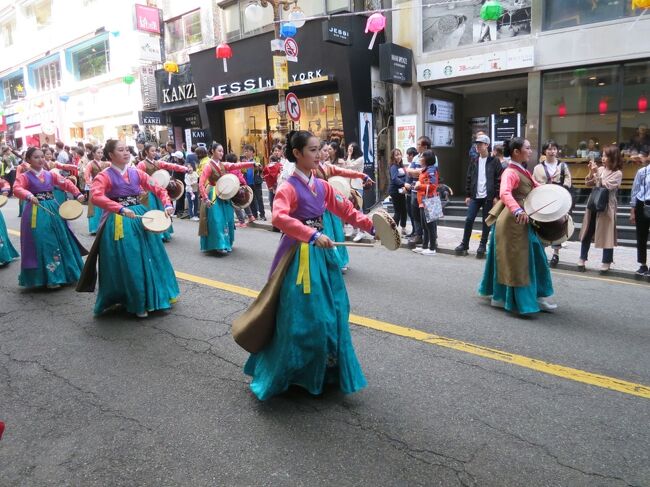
358 237
417 250
546 304
142 315
497 303
428 252
53 286
195 218
344 269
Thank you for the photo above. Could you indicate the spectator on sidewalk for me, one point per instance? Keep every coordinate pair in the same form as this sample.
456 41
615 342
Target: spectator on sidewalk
254 178
427 186
552 171
422 144
271 173
640 213
396 188
354 162
481 193
177 157
192 192
601 226
191 157
410 193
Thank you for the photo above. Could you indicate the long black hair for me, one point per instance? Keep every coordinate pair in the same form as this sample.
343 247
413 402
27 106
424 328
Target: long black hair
296 139
429 158
509 146
356 150
338 151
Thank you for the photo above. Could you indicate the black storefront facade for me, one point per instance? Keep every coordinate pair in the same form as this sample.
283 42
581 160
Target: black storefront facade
178 103
331 80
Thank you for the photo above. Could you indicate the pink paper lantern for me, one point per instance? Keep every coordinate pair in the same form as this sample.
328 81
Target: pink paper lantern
224 51
375 24
93 89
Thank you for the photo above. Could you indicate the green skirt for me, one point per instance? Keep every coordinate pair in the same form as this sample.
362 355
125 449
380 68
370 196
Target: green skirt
7 250
221 225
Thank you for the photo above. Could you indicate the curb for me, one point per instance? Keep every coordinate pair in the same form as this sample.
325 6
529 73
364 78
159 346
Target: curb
448 251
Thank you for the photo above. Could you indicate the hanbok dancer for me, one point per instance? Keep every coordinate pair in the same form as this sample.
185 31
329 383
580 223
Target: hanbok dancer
7 250
93 168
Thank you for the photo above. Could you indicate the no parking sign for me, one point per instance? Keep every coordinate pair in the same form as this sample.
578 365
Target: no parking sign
293 107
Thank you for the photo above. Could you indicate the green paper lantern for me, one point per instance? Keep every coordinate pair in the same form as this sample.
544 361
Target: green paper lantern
128 79
491 10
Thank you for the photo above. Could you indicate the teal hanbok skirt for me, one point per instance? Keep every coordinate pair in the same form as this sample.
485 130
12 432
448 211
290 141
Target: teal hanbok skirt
7 250
221 225
521 300
95 220
21 205
59 195
134 269
156 204
333 228
312 345
58 259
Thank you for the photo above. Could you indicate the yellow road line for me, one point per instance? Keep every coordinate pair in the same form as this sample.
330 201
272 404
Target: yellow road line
569 373
604 279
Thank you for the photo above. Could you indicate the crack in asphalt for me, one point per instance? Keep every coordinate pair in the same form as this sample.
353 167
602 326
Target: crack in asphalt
552 455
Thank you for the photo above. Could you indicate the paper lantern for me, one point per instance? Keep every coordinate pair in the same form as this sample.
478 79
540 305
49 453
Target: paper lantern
254 13
602 106
297 17
491 10
288 30
642 104
128 79
170 67
561 109
224 51
64 98
375 24
640 3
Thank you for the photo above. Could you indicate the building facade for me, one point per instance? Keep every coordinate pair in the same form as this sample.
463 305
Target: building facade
576 72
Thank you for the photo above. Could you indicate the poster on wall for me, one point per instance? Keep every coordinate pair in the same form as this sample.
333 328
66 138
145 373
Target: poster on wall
479 124
450 24
440 135
406 130
439 110
367 138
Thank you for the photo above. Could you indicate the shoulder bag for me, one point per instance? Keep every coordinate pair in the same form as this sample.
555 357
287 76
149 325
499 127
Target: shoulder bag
598 199
432 207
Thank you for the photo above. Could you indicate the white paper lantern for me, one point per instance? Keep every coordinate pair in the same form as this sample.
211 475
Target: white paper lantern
297 16
254 12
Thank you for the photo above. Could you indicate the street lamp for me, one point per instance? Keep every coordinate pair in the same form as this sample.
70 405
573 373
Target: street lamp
253 13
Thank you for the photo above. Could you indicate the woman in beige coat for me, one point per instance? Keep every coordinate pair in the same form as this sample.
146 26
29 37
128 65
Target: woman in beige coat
601 226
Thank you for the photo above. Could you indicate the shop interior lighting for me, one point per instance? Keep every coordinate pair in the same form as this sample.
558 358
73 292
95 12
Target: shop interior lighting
601 83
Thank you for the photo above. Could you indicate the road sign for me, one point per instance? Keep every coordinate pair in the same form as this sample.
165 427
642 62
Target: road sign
293 107
291 49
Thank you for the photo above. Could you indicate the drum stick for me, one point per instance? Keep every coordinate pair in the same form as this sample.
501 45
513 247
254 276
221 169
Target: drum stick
45 209
541 208
353 244
143 217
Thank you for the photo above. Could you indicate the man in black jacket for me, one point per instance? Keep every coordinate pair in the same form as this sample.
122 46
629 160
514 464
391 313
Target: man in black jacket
481 192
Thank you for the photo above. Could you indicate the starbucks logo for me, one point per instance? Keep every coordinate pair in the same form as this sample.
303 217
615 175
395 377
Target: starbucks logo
448 70
426 74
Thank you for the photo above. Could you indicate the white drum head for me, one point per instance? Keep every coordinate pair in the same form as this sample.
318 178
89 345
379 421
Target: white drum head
386 230
227 186
71 210
341 184
548 202
161 177
156 221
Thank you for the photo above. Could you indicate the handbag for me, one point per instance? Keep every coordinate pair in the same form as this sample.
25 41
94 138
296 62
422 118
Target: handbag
432 207
598 199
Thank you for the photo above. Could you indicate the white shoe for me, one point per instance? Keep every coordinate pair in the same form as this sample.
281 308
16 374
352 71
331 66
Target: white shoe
428 252
358 237
195 218
53 286
417 250
142 315
546 304
344 269
497 303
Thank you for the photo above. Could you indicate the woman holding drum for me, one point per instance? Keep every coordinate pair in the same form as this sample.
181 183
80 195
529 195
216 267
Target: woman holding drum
134 270
51 254
311 345
517 276
7 250
93 168
217 220
150 166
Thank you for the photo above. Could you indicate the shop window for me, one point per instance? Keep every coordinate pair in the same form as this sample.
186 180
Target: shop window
311 9
443 28
8 32
322 115
40 12
338 5
580 110
89 60
45 77
635 113
559 14
13 88
247 125
184 31
232 23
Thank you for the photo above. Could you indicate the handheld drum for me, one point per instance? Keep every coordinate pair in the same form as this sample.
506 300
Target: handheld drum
70 210
175 189
161 177
3 200
386 230
227 186
341 184
156 221
243 198
548 207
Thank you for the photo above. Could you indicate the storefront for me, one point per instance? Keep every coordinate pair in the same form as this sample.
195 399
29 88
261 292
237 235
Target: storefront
177 101
331 80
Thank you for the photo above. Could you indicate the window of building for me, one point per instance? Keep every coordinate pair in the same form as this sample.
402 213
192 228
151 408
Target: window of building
13 87
231 20
311 9
8 32
635 113
89 59
40 12
46 75
184 31
337 6
559 14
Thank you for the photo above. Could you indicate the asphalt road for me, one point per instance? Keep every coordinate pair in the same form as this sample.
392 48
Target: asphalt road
114 400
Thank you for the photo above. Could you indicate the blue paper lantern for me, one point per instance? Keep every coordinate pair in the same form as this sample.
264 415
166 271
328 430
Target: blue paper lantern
64 98
288 30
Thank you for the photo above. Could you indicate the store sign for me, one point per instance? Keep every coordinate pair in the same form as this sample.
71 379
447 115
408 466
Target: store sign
147 19
148 87
518 58
199 136
151 118
149 48
179 93
395 64
255 84
337 33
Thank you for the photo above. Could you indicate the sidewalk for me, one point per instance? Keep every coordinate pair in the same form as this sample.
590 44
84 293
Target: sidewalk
624 265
